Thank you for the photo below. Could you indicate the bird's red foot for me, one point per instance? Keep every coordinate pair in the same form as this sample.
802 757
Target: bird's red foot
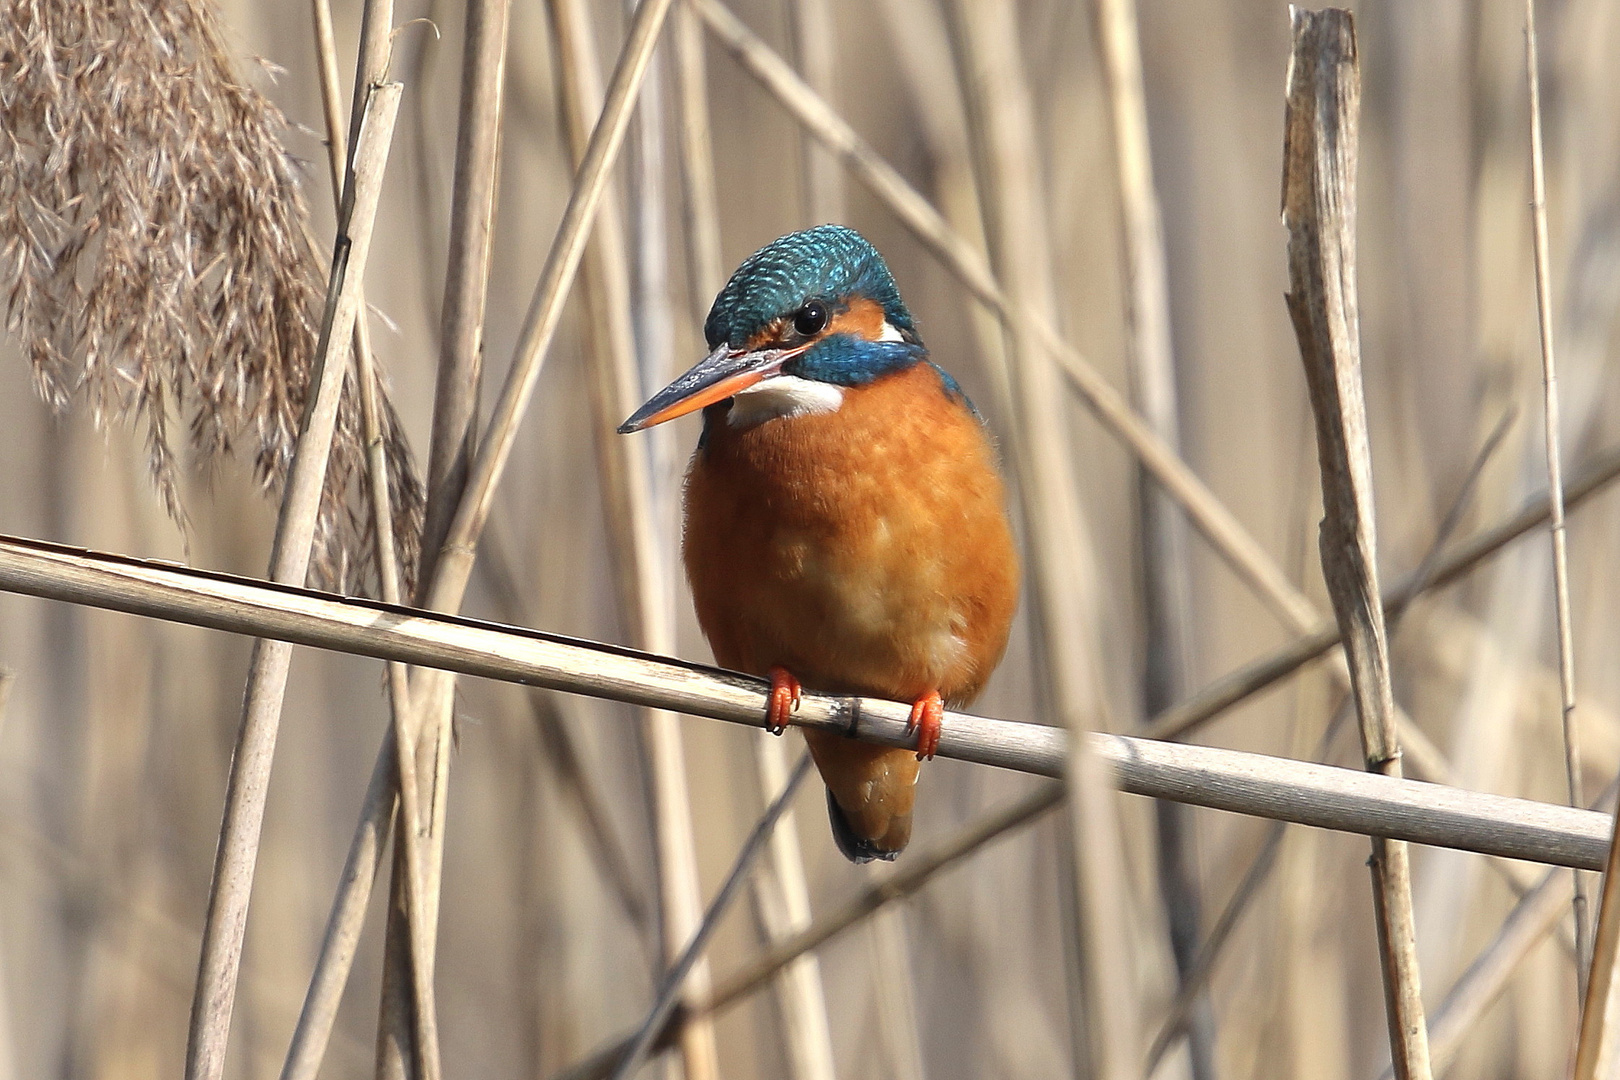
784 700
927 715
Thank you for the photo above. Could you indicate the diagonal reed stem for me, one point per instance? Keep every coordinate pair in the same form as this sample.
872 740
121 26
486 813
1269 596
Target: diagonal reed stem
423 742
319 1012
920 867
674 982
453 567
1257 784
229 894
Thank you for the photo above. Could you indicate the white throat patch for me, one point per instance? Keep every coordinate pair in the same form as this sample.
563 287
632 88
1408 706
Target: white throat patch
783 395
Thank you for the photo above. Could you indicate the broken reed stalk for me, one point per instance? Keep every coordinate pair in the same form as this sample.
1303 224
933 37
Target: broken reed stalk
1536 914
641 574
1059 557
1241 552
1319 211
675 980
1165 570
290 556
319 1012
1209 950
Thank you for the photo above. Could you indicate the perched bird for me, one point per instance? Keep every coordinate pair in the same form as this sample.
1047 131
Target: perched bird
846 528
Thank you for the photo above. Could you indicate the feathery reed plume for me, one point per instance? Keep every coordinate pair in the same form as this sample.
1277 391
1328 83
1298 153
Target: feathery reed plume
156 253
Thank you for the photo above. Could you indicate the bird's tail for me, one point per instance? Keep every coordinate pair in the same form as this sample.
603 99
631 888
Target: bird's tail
855 848
870 793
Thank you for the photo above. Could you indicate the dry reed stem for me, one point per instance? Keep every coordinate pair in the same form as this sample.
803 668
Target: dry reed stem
1560 540
1059 553
1209 950
641 573
705 270
1536 914
403 737
1207 513
1319 210
290 556
453 561
815 57
1256 784
1165 571
423 745
344 924
920 867
1231 689
781 891
155 249
466 284
674 983
453 564
782 894
612 860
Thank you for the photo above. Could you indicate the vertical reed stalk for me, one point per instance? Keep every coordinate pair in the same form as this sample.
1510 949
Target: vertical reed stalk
1006 150
423 742
290 556
424 1009
813 33
453 567
705 271
1555 485
641 572
1166 582
1319 208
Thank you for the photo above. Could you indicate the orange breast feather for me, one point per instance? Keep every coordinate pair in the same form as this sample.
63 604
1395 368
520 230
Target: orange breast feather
864 550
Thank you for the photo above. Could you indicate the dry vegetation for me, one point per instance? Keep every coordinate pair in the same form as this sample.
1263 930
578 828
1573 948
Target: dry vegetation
164 224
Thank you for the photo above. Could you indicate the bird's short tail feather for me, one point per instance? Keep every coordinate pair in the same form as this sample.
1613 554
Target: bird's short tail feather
855 849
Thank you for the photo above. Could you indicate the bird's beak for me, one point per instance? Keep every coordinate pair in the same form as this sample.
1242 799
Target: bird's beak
722 374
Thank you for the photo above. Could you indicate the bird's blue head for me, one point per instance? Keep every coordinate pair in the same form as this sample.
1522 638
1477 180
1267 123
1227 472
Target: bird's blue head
802 318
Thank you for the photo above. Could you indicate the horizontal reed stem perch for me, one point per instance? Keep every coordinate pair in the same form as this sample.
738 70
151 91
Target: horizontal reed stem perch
1302 792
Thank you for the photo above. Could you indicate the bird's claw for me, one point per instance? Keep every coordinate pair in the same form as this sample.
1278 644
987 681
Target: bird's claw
927 716
783 701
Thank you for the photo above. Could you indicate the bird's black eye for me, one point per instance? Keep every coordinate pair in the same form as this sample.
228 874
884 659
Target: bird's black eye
811 319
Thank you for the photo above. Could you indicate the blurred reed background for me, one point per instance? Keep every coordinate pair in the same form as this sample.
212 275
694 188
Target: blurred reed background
117 732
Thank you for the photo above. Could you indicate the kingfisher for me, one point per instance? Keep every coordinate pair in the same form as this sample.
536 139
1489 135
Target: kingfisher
845 518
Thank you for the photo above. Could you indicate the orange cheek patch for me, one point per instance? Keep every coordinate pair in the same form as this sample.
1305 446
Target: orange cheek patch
863 319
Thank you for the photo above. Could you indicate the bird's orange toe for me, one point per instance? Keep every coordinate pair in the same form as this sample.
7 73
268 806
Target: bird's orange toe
927 717
784 700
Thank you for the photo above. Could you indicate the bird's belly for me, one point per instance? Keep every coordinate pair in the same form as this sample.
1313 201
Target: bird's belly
865 606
